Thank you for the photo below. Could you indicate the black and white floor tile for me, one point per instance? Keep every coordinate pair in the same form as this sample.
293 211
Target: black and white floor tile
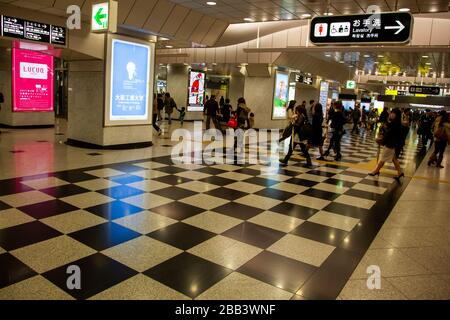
149 229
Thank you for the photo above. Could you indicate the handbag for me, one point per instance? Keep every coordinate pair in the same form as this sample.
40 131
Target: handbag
287 132
305 131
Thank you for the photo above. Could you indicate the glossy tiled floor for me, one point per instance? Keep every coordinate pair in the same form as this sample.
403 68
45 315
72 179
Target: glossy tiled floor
140 227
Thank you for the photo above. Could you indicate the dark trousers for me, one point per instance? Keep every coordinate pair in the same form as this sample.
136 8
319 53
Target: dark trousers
355 126
426 135
439 149
304 149
335 143
155 126
214 120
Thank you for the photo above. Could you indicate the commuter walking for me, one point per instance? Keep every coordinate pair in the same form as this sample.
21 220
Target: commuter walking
155 115
226 110
441 131
242 112
287 132
211 110
425 127
405 130
364 118
300 135
310 109
182 112
160 106
221 101
169 106
384 116
356 116
390 138
317 131
337 128
303 105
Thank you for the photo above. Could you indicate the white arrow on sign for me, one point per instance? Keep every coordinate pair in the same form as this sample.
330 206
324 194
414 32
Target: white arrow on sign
400 27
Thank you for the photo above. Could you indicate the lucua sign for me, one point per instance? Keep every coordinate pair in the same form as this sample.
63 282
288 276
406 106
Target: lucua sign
377 28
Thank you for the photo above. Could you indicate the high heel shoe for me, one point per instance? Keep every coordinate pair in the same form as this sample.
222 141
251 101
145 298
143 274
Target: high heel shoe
373 174
399 176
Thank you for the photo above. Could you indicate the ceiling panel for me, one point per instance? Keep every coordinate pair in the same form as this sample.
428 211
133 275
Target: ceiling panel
188 25
202 28
140 12
35 5
159 15
123 10
174 21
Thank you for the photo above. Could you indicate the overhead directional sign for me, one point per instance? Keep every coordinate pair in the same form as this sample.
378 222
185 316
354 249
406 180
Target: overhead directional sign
350 84
17 28
424 90
100 15
390 27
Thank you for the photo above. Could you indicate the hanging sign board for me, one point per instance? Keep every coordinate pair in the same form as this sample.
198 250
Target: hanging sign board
378 28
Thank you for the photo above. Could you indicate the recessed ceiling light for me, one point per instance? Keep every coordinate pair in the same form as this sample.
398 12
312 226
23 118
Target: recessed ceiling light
248 19
328 14
305 15
341 61
388 62
211 3
380 56
327 55
424 57
169 47
403 9
428 63
366 56
163 39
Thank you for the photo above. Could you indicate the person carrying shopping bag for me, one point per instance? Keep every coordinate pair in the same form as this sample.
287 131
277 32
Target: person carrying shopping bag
301 134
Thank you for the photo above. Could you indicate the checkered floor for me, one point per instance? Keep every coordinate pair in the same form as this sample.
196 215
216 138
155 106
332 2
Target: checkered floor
149 229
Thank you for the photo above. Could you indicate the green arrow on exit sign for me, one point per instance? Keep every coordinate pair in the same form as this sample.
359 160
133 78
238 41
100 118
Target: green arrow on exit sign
350 84
100 16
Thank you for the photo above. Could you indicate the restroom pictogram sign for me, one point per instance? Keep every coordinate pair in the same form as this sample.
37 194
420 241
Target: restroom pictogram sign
321 30
389 27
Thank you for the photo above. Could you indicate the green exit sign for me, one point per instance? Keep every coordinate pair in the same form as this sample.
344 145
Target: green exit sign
350 84
104 17
100 16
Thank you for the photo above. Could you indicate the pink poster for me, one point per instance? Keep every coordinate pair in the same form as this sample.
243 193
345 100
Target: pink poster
32 74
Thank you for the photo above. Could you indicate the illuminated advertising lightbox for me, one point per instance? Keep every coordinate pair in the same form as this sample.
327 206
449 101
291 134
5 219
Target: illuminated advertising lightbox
32 81
348 104
280 98
323 94
196 91
129 80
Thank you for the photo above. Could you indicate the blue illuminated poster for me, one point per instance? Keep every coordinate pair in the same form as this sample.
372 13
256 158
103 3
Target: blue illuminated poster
129 81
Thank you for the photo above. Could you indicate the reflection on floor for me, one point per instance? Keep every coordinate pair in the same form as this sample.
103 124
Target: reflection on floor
144 228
